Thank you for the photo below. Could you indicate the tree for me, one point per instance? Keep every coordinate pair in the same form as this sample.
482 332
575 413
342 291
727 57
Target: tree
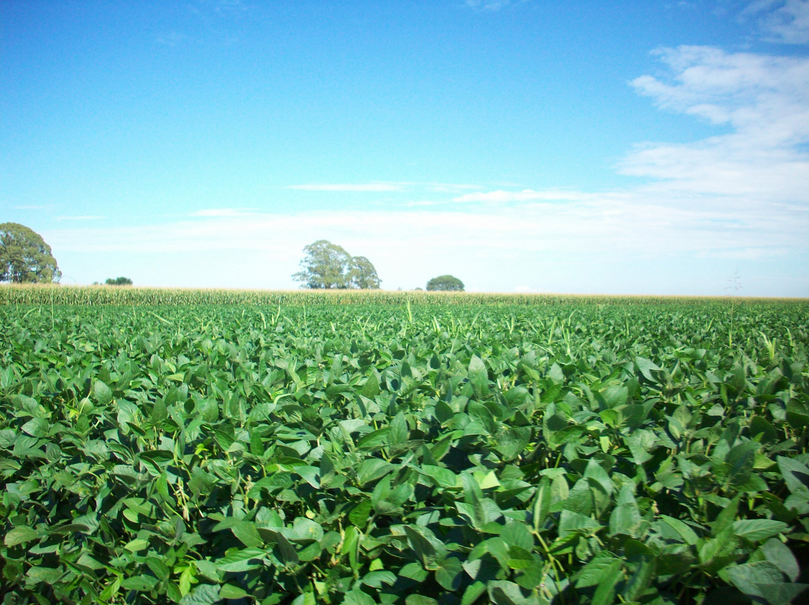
25 257
328 266
118 281
362 274
445 283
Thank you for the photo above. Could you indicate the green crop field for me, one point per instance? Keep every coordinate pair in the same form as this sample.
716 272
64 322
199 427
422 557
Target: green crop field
401 448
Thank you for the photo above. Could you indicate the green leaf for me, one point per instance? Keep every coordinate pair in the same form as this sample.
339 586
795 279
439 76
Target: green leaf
571 522
796 476
478 376
473 593
781 556
415 599
376 579
372 469
430 550
204 594
757 530
240 560
359 514
102 392
371 387
512 442
610 576
20 535
140 583
646 367
137 545
229 591
443 477
36 427
596 571
356 597
448 574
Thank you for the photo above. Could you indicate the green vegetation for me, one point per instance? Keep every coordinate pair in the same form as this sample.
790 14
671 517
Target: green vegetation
118 281
328 266
445 283
25 257
427 449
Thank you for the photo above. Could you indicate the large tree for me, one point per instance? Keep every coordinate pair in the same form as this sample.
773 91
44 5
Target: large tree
446 283
362 274
25 258
328 266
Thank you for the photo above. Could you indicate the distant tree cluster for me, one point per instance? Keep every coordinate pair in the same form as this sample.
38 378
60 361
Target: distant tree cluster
118 281
445 283
25 258
328 266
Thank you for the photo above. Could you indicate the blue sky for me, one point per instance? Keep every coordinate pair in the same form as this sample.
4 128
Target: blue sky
543 146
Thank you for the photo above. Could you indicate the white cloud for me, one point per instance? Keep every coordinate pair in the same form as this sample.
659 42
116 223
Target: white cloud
764 100
784 21
350 187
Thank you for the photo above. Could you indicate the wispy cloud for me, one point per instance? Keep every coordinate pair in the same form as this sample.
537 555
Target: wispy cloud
785 21
491 5
349 187
526 195
173 38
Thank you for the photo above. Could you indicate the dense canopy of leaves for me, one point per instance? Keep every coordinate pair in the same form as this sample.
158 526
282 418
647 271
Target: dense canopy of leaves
464 454
445 283
25 257
328 266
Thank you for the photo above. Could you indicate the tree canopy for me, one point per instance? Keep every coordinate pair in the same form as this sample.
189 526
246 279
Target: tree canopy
445 283
328 266
118 281
25 258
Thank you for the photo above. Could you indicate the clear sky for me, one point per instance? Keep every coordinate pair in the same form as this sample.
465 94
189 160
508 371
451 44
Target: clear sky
656 147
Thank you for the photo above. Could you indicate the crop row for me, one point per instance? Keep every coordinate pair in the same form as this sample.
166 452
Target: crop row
111 295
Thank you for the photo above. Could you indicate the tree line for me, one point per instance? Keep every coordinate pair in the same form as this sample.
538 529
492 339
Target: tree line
26 258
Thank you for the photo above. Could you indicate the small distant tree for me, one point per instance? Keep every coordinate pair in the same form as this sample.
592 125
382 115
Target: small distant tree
25 258
445 283
328 266
118 281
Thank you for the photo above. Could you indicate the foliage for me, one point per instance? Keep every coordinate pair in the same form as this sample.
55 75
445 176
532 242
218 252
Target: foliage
328 266
362 274
25 257
445 283
374 454
118 281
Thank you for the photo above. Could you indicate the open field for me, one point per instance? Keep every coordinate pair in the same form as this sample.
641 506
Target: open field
200 446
